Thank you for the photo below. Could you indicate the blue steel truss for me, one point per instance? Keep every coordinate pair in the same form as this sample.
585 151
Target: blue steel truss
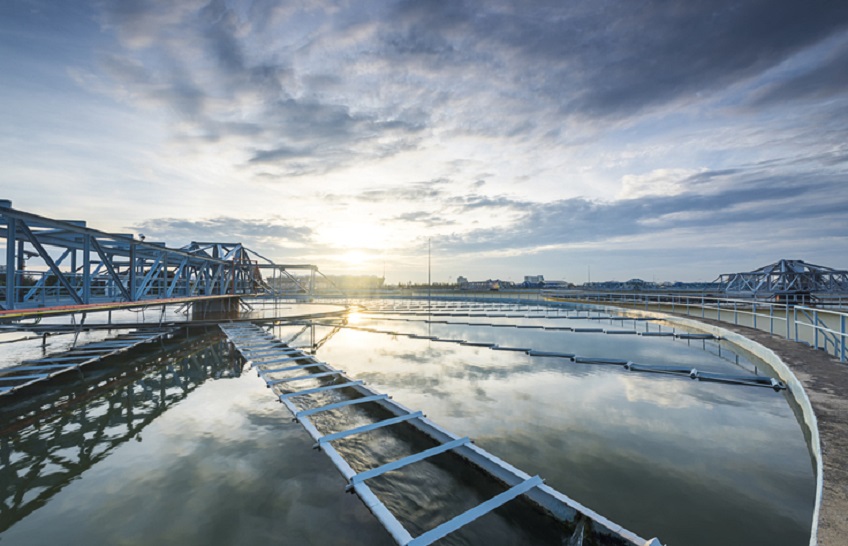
77 265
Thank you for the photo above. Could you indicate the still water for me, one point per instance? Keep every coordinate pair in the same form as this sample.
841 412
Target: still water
194 449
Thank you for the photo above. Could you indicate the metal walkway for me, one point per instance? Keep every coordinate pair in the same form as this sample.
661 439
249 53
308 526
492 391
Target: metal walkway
32 372
272 357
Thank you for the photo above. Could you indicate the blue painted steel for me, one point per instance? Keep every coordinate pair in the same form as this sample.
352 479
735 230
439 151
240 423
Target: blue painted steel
61 359
367 428
400 463
36 368
263 373
482 509
274 357
23 377
314 390
300 377
117 267
337 405
69 362
11 281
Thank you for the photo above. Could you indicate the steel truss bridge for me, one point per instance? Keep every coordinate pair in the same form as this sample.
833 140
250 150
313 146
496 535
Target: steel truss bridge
77 266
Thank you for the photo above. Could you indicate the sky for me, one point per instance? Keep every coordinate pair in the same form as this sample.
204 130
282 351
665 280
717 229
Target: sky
662 140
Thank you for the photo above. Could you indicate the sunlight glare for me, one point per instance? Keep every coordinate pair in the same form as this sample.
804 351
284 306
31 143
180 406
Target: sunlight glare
355 257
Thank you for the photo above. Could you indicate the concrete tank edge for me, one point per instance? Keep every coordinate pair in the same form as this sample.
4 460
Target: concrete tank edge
781 369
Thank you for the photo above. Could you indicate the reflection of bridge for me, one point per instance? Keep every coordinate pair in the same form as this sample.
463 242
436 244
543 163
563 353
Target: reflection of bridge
74 265
41 461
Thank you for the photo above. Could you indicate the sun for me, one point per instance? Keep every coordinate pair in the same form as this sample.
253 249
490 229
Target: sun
354 257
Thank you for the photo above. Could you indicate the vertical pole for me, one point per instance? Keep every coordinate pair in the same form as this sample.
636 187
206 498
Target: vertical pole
788 335
755 314
131 275
795 321
429 283
161 292
842 333
771 318
11 264
86 269
816 328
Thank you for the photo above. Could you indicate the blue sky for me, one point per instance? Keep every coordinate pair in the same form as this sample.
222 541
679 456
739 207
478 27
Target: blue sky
655 139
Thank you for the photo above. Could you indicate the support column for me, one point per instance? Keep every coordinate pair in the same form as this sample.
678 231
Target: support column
86 269
216 309
11 262
131 275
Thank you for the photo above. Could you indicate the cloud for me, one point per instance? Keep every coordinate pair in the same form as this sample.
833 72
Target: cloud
255 234
657 182
200 62
818 78
499 127
751 204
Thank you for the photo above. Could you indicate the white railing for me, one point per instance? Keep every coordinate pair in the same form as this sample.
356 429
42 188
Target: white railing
821 328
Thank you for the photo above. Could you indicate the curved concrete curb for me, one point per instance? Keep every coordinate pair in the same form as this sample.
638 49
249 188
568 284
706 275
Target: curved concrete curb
780 368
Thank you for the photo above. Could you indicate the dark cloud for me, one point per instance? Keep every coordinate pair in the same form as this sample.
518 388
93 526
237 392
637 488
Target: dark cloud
416 64
615 58
826 79
194 63
753 203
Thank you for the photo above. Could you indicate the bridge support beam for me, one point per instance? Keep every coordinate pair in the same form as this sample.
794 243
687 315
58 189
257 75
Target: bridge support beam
217 309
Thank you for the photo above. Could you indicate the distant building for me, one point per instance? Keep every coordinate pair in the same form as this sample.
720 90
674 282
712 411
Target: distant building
487 285
533 281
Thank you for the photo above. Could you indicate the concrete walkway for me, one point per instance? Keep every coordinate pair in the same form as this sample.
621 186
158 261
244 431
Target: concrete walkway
825 380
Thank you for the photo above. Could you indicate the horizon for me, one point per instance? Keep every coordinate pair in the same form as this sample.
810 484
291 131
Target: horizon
521 140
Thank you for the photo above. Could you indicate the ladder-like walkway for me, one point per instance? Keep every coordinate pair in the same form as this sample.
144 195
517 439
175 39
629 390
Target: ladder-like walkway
40 370
272 357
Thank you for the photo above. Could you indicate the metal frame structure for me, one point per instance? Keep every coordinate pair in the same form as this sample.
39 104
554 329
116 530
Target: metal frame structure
786 276
263 349
80 266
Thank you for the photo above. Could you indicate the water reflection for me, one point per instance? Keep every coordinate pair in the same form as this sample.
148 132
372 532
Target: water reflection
219 462
691 462
77 430
166 456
